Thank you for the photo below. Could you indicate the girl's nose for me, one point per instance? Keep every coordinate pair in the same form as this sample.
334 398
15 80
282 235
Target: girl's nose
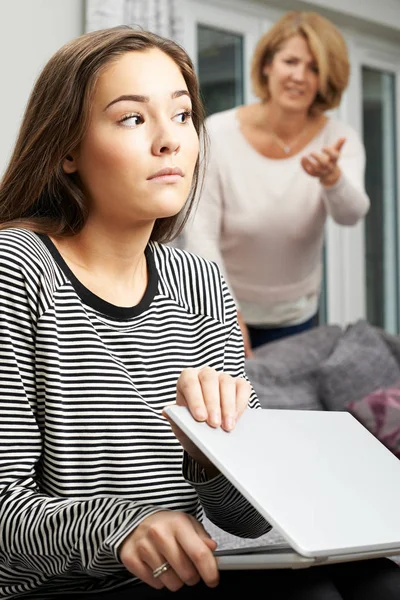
166 142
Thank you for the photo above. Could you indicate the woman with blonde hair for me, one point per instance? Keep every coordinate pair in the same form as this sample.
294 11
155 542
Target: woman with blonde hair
101 326
277 168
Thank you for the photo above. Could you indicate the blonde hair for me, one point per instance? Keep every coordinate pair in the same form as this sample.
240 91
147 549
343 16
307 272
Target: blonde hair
327 46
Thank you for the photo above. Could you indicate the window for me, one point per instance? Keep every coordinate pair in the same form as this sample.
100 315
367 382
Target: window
381 223
220 68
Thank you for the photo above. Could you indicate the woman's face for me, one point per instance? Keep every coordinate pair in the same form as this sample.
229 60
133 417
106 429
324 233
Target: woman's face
293 76
140 126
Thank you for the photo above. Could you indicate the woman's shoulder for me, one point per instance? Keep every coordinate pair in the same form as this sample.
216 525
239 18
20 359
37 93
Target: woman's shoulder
221 121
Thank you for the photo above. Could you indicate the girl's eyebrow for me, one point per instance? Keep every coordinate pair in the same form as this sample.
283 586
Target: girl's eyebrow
140 98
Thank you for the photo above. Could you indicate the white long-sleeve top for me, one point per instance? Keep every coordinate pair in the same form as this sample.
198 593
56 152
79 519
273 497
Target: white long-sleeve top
262 220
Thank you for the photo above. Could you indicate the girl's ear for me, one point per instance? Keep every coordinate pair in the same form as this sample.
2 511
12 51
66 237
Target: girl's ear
69 165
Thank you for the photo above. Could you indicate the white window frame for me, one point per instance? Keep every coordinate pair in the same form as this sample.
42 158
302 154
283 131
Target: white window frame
345 273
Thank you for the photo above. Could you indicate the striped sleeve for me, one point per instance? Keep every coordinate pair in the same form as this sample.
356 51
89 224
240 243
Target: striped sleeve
220 500
41 536
219 492
234 358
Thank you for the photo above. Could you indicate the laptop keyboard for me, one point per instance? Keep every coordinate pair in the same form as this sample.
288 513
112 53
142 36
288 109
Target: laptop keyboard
268 549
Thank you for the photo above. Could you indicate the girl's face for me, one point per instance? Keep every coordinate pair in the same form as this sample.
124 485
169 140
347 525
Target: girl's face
293 76
137 158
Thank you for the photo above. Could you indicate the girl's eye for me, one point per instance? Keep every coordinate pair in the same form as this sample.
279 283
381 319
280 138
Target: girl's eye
184 116
132 120
290 61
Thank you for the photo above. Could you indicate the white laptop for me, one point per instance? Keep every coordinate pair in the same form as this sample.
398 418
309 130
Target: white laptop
324 482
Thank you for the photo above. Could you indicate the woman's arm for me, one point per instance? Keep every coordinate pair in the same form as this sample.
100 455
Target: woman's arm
346 201
203 230
340 169
202 233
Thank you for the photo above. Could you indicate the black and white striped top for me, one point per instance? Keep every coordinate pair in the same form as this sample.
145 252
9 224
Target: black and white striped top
85 452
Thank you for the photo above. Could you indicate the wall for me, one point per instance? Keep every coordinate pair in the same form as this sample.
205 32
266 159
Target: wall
30 32
372 17
383 12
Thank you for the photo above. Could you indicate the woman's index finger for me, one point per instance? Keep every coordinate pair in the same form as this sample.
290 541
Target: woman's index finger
339 144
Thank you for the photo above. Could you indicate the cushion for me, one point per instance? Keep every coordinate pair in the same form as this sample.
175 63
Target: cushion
297 390
298 352
360 364
379 412
393 343
283 372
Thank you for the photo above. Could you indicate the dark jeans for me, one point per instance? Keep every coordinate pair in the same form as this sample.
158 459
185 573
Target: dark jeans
375 579
264 335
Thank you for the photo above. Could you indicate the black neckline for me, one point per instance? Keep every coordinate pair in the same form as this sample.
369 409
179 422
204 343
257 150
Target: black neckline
94 301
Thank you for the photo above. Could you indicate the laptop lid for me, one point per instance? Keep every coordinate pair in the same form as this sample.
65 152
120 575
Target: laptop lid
319 477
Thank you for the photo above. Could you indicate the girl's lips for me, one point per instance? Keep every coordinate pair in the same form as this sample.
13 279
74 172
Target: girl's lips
167 172
166 178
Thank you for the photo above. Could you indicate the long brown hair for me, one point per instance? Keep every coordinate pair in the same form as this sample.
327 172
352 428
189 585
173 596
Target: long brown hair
35 192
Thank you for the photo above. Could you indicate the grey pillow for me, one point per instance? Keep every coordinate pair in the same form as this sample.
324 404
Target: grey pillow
294 391
360 364
299 352
283 372
392 341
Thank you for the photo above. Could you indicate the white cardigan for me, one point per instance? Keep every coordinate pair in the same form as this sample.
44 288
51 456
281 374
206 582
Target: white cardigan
262 220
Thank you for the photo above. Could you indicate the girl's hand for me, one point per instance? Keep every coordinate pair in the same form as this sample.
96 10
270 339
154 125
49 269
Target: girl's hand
211 396
176 538
324 164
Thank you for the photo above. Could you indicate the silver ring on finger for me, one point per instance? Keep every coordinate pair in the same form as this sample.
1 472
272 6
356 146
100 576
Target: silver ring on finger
161 569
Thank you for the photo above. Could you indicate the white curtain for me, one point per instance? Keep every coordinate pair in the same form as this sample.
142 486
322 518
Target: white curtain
164 17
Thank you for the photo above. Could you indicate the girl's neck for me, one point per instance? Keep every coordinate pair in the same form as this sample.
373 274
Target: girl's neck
113 266
99 247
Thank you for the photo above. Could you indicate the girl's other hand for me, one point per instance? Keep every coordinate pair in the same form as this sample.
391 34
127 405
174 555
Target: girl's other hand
175 538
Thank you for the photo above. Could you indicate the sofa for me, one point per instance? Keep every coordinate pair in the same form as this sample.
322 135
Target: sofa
326 368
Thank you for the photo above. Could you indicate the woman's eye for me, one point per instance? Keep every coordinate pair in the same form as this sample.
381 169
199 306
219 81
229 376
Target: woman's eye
184 116
131 120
